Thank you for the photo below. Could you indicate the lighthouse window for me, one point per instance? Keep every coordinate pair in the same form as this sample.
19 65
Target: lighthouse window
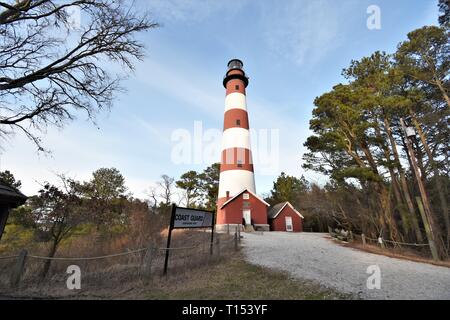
239 163
237 87
238 122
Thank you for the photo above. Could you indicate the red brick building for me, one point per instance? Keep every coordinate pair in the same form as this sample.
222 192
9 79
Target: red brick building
284 217
245 208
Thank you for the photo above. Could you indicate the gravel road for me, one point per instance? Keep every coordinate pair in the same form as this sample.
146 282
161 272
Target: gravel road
314 256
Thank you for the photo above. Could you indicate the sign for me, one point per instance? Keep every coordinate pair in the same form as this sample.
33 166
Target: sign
182 218
191 218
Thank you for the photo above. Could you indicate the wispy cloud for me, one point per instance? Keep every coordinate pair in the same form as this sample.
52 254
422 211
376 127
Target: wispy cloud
188 86
191 10
304 31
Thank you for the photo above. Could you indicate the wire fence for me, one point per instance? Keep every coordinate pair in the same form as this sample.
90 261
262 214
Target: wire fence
144 263
349 236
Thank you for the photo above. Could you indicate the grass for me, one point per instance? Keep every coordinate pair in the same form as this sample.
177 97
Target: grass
193 274
237 279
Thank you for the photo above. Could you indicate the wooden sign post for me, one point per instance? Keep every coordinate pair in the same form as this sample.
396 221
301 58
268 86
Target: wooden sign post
187 218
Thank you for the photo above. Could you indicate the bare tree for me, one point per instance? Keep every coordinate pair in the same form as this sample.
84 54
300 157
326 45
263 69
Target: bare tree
153 199
50 69
166 185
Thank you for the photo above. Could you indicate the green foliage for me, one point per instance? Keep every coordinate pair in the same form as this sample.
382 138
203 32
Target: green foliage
190 183
106 184
104 196
425 55
287 188
16 237
209 180
358 142
8 178
444 9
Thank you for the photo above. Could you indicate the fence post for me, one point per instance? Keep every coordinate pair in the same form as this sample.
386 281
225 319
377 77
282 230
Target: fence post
239 233
147 265
363 238
236 241
17 271
330 231
350 238
228 228
380 241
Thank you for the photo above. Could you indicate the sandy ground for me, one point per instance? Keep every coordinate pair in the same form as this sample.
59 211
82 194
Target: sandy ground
316 257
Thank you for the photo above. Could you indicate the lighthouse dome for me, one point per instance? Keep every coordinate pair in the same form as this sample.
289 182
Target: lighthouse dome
235 64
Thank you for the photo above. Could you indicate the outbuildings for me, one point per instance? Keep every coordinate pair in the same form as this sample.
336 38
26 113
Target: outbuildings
10 198
246 209
284 217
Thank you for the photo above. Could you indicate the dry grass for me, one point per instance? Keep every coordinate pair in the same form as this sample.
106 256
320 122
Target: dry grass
399 253
192 275
229 278
113 276
235 279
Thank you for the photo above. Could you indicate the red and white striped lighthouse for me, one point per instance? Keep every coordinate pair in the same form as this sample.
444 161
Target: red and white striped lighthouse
237 202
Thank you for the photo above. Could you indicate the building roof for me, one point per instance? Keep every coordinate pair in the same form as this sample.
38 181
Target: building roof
11 196
239 193
276 209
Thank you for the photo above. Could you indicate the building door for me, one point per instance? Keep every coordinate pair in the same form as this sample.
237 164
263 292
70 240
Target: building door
289 226
247 217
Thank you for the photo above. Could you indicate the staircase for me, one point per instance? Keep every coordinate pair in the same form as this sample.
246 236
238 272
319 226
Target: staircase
249 228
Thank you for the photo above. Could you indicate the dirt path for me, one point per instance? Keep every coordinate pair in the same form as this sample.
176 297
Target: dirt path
314 257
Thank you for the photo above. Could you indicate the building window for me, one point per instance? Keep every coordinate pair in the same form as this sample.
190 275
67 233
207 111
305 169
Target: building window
237 87
246 196
239 163
238 122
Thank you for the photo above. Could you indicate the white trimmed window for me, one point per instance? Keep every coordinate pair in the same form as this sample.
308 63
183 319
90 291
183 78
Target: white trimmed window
246 196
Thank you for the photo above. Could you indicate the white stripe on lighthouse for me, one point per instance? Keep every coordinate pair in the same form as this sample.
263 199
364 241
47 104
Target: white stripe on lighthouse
234 181
235 100
236 138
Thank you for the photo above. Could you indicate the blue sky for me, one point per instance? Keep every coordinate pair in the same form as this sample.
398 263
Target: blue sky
293 51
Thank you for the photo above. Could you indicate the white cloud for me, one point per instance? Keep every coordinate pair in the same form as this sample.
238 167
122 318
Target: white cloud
189 86
191 10
304 31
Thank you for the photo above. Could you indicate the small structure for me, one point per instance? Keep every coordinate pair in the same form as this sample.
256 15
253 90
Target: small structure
284 217
244 209
10 198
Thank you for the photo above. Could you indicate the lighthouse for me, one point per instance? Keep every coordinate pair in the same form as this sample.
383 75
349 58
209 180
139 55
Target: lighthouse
238 204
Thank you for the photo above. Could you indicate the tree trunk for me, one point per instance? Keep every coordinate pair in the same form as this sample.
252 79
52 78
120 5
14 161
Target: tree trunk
437 178
443 91
403 183
434 227
48 262
399 205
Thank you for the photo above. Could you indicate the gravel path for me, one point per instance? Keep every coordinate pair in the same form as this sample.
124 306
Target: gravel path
315 257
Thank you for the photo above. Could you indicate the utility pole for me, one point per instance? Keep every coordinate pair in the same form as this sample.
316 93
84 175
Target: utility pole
427 216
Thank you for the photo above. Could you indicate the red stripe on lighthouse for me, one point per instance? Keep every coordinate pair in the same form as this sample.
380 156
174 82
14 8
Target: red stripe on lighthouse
235 85
236 159
235 118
